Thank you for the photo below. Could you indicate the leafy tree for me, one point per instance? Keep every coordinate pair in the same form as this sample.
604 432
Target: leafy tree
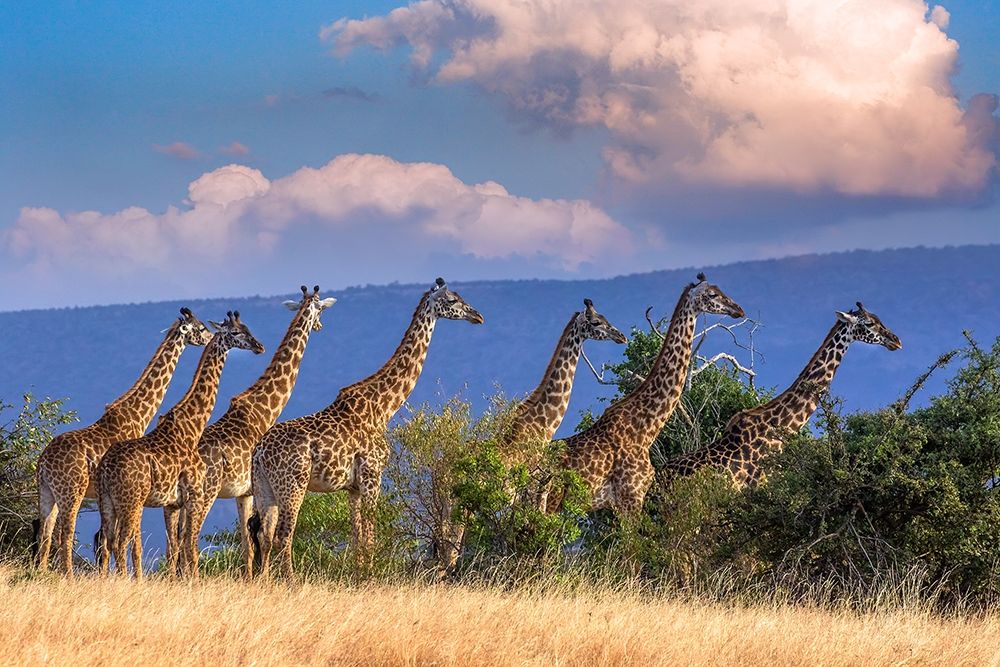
24 431
888 492
471 500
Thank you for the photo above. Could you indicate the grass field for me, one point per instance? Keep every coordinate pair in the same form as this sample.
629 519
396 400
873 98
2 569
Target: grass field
221 621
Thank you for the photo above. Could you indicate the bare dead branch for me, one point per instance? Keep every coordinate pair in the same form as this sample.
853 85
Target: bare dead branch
652 325
604 368
723 356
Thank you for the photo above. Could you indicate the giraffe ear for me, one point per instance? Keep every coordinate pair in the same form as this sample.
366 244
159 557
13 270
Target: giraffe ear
215 325
847 317
327 302
291 305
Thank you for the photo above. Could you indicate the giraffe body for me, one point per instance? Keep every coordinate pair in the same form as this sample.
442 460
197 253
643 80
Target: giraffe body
344 446
67 465
612 456
226 445
163 468
750 435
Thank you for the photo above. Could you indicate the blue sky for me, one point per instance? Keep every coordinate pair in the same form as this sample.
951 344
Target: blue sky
108 108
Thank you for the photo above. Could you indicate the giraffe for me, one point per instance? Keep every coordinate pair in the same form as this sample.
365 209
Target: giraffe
753 433
344 446
540 414
612 456
66 466
226 444
537 418
163 467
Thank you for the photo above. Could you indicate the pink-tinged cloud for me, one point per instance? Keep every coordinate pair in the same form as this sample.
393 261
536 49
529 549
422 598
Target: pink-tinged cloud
236 149
237 219
851 97
179 149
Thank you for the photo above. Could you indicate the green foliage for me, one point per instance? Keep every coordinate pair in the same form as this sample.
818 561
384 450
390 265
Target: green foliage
887 492
473 499
320 546
24 431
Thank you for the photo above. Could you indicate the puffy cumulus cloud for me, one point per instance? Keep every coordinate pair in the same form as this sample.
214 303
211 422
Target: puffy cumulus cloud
808 96
360 207
226 185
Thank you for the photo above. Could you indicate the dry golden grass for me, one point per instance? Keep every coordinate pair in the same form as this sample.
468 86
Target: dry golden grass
220 621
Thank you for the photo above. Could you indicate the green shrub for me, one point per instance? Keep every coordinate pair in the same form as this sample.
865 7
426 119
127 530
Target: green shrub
25 430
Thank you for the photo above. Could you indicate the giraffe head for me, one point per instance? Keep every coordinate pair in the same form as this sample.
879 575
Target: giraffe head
234 334
591 324
313 305
192 330
448 305
708 298
868 328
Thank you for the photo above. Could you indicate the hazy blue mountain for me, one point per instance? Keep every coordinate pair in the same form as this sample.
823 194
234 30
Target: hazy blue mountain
927 296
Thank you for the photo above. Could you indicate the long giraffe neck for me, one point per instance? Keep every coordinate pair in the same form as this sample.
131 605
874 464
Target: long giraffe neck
132 411
797 403
390 386
195 407
541 413
654 400
267 397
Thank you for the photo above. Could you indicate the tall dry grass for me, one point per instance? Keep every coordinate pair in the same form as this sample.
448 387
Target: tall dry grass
222 621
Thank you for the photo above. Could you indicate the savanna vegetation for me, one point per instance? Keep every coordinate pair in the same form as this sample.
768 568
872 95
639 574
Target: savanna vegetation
874 533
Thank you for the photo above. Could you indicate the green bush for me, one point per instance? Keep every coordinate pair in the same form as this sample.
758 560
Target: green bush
888 492
25 430
471 499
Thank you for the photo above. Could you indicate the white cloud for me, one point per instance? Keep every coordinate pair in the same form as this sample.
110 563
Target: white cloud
237 225
810 96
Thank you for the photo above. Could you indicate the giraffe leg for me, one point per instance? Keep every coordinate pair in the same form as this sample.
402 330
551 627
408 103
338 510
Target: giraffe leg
244 508
119 543
200 493
108 533
266 511
363 508
284 531
195 512
172 520
67 533
129 534
137 554
48 513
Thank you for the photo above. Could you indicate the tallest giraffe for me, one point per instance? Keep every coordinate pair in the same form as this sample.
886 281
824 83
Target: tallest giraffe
612 456
66 466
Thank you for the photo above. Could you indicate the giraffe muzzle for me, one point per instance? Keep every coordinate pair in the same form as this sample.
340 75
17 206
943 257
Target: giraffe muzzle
474 316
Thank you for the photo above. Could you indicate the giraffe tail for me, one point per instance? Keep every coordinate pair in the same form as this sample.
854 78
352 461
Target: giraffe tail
99 545
253 525
36 527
